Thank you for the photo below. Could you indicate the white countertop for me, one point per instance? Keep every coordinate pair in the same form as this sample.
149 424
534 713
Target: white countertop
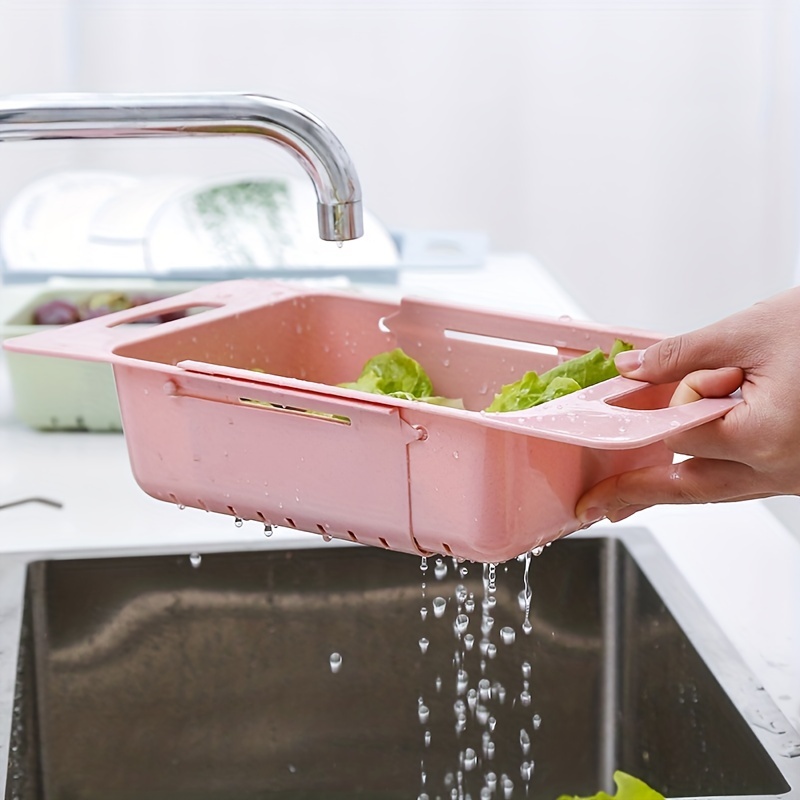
741 561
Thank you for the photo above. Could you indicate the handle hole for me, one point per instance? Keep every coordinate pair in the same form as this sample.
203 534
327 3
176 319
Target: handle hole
160 317
647 398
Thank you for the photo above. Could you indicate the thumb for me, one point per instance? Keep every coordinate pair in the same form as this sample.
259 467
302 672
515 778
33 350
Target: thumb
673 358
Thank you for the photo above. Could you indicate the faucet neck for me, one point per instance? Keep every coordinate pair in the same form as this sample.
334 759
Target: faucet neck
106 116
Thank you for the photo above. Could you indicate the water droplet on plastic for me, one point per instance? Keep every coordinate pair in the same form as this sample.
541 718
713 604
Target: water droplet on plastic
524 741
526 770
491 650
423 564
525 697
423 612
507 634
536 721
537 551
238 522
674 423
336 662
424 714
461 623
268 530
423 645
440 570
469 641
195 559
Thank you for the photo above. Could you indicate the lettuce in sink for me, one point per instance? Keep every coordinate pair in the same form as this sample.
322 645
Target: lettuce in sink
628 788
577 373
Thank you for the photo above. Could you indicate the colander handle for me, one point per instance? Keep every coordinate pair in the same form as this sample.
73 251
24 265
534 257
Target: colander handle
96 339
592 417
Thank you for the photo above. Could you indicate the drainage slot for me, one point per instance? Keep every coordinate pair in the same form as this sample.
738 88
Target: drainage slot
499 341
420 550
325 416
290 522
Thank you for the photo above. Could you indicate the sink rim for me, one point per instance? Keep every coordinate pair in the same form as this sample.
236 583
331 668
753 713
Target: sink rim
770 727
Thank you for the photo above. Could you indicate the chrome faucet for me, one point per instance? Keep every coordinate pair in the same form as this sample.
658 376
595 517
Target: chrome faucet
107 116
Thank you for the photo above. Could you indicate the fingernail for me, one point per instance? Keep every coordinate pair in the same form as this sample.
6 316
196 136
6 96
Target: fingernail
591 515
629 360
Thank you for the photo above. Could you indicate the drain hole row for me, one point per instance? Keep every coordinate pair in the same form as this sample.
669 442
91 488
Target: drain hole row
290 522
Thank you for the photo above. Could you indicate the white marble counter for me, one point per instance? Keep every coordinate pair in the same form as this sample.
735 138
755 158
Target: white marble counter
740 560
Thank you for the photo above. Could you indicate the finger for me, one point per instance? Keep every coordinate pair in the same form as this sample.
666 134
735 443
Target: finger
696 480
673 358
707 383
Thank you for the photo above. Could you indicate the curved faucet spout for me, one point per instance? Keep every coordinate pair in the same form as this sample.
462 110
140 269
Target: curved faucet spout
106 116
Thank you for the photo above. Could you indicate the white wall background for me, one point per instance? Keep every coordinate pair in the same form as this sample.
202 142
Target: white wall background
647 152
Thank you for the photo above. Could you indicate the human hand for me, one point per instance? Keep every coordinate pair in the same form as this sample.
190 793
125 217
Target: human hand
751 452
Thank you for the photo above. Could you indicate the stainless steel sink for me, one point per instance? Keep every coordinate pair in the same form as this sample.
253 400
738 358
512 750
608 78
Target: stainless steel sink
150 676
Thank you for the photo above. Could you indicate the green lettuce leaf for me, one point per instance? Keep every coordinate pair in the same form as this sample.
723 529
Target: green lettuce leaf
395 374
577 373
628 788
398 375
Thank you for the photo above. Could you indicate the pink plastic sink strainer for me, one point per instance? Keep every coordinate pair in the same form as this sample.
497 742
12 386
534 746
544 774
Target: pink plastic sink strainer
237 410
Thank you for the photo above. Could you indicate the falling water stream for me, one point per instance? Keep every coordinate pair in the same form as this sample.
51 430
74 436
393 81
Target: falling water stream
477 697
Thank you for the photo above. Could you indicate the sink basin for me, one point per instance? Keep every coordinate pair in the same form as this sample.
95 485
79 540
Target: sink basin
164 676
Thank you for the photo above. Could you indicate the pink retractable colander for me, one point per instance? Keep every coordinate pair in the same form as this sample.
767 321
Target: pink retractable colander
236 410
